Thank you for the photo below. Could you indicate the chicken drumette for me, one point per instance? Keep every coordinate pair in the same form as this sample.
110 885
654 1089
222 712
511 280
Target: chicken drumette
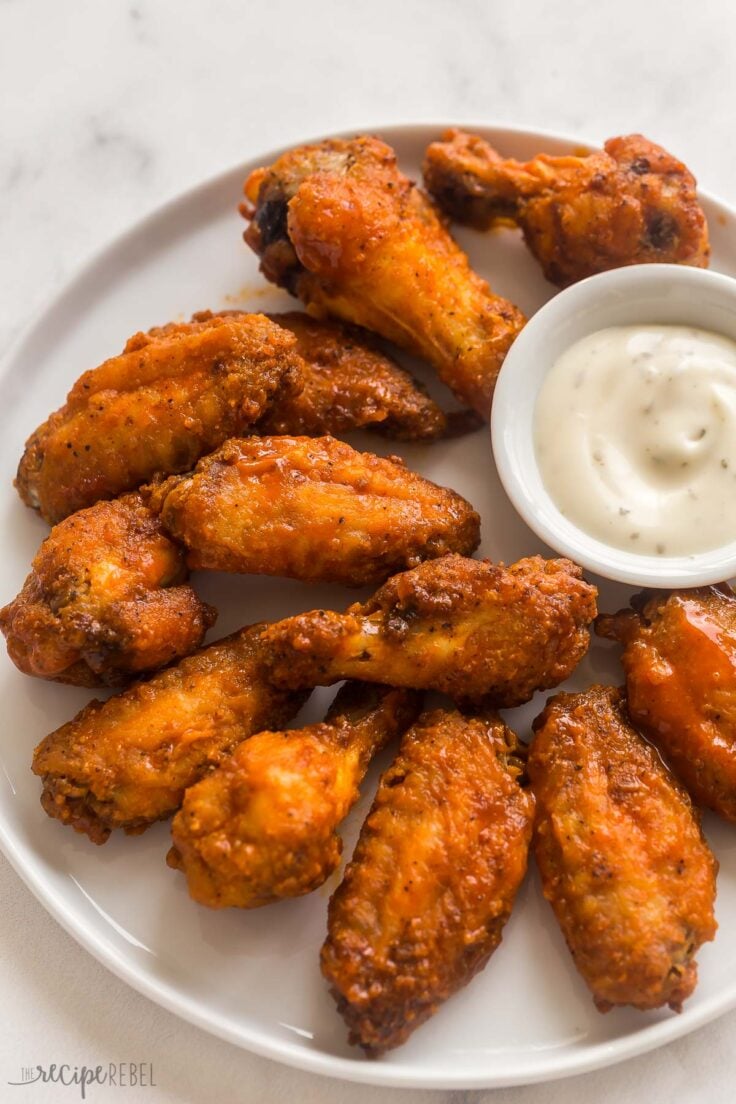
680 662
106 599
623 861
467 628
126 762
338 225
432 879
630 203
262 826
171 396
311 508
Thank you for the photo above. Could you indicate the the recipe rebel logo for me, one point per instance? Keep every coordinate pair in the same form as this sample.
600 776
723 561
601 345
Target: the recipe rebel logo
121 1075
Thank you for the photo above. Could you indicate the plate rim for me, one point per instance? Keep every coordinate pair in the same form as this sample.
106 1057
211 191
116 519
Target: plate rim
28 866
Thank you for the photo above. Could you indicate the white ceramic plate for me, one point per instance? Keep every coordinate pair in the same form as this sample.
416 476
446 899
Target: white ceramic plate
253 978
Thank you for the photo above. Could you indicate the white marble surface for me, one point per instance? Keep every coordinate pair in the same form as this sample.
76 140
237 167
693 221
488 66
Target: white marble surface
107 109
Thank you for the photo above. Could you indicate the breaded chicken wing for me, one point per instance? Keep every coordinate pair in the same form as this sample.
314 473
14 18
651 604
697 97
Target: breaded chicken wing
680 662
263 825
433 877
467 628
171 396
619 848
311 508
631 203
126 762
338 225
105 600
350 384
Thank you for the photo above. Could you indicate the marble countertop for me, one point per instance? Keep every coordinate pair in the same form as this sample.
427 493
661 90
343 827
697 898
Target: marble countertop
110 108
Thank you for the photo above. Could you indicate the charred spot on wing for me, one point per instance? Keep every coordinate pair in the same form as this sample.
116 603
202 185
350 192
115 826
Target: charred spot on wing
270 218
661 229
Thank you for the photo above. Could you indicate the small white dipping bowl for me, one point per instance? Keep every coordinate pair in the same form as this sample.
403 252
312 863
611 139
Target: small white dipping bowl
639 295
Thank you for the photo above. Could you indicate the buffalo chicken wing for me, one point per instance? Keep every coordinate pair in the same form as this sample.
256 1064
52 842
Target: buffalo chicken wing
338 225
106 599
311 508
630 203
262 826
433 878
620 852
468 628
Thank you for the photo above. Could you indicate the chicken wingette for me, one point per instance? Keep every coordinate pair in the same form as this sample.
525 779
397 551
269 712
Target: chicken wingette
679 656
622 858
433 877
263 825
349 383
338 225
171 396
106 599
630 203
310 508
468 628
126 762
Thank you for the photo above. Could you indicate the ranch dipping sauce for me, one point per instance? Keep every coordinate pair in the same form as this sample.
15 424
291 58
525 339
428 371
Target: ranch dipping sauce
635 437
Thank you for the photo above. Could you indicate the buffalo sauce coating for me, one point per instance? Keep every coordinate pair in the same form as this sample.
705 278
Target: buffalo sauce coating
621 855
680 662
433 877
263 826
126 762
311 508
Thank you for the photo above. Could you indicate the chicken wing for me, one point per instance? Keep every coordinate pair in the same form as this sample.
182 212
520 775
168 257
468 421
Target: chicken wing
339 226
126 762
172 395
631 203
263 825
105 600
467 628
350 384
619 848
433 877
680 662
311 508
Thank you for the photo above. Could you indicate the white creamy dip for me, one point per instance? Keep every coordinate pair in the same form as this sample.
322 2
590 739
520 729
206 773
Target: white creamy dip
635 436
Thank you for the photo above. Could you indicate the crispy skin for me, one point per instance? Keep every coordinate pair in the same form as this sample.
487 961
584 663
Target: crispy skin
105 600
680 662
339 226
311 508
433 877
631 203
126 762
619 848
171 396
263 825
467 628
349 383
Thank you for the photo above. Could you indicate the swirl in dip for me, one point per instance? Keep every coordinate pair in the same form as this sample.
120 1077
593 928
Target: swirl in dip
635 437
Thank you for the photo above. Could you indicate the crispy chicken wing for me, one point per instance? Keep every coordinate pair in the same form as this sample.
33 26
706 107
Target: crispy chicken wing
171 396
630 203
467 628
339 226
349 383
263 825
311 508
126 762
105 599
433 877
619 848
680 662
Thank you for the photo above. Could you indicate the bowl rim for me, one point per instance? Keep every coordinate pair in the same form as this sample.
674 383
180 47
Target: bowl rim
567 538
